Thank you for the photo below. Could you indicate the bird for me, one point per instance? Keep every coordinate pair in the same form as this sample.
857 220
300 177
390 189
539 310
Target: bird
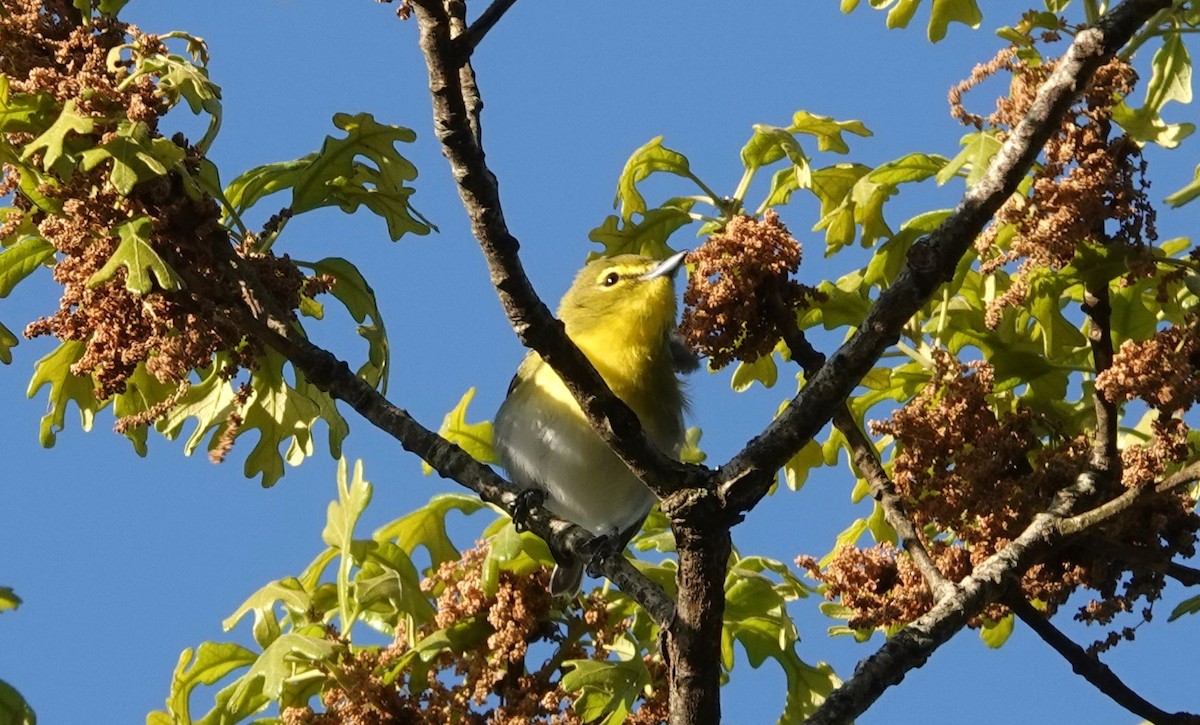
620 312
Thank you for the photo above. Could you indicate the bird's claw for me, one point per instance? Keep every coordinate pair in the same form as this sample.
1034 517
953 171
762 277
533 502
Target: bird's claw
527 500
599 548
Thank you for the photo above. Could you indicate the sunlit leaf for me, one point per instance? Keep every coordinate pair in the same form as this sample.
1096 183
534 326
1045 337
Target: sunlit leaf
474 438
55 370
139 259
651 158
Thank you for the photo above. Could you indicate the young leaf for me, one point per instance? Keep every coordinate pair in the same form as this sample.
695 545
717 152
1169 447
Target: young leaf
139 258
769 144
427 527
52 144
474 438
827 131
1187 193
55 370
646 236
978 148
7 342
605 689
952 11
204 666
14 710
995 634
649 159
358 297
135 155
21 259
335 176
24 112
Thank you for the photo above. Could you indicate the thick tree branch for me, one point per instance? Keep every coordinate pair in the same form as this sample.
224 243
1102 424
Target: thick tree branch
1093 670
911 647
693 642
931 261
537 329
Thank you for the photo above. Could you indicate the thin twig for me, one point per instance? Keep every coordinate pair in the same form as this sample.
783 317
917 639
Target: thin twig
1092 669
1185 575
1187 475
1106 458
486 20
866 460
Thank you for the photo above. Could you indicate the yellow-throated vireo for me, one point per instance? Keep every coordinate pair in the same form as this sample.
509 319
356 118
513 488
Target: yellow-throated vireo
620 312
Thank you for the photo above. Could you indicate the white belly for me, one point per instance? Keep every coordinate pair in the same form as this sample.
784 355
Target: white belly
585 482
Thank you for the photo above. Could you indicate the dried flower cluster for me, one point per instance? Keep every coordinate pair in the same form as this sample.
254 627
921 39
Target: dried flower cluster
972 480
1090 187
488 680
47 50
740 297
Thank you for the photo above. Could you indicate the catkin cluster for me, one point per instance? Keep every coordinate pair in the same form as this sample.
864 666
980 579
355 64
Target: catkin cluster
172 332
490 681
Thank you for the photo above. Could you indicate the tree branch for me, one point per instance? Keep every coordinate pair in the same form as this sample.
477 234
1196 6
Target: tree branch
866 461
931 261
1093 670
271 323
911 647
537 329
1105 459
1184 476
486 20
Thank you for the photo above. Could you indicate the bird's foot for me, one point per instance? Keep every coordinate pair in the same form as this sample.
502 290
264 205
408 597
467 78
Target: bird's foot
527 499
596 551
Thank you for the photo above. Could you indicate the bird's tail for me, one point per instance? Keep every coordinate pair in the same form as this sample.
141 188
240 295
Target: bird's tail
566 578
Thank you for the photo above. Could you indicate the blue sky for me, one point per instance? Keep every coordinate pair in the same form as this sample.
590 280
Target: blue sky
122 561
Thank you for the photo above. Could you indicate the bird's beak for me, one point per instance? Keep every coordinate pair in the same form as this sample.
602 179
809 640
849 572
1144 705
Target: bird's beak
666 267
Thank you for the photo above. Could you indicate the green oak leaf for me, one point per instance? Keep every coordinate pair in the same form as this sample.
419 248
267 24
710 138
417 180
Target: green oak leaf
978 148
945 12
1191 605
142 392
14 710
426 527
142 264
605 691
204 666
827 131
334 176
1187 193
353 291
651 158
25 112
995 634
646 235
474 438
55 370
135 154
769 144
53 144
7 342
21 259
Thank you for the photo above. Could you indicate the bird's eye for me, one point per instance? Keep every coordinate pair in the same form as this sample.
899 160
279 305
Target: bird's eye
611 278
